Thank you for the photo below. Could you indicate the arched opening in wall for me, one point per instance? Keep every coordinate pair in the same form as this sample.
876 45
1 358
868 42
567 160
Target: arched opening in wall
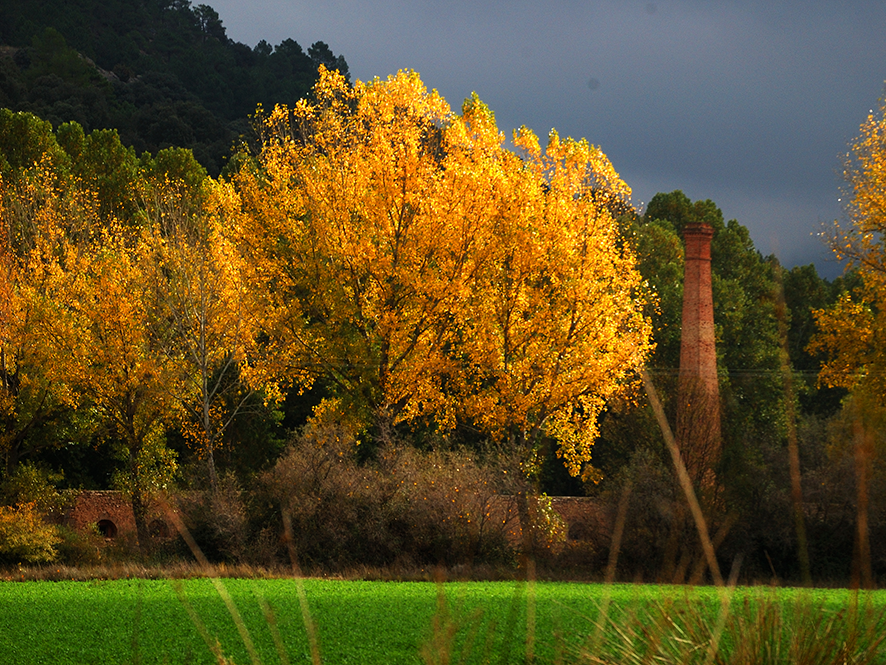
580 530
158 529
107 528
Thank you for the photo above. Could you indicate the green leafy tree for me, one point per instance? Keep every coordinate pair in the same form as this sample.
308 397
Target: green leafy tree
754 399
745 296
104 166
805 293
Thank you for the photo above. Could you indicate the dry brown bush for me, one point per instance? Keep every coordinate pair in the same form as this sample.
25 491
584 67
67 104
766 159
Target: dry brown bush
406 507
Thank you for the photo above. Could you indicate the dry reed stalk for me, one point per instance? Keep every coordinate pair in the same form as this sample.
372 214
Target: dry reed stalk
683 478
614 550
220 588
271 620
700 523
300 590
793 447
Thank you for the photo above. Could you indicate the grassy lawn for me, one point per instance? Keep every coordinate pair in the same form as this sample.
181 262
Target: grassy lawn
148 621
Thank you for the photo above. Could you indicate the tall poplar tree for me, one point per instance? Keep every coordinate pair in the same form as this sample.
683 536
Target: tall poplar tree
423 270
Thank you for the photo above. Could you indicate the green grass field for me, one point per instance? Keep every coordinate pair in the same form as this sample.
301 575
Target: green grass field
148 621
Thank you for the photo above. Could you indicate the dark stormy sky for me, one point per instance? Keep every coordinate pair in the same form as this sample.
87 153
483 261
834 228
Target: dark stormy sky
750 103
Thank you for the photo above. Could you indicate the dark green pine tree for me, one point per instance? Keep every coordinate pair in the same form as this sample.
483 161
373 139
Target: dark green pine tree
162 73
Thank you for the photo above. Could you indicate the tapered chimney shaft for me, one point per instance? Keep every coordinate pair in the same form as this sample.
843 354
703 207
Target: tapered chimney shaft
698 408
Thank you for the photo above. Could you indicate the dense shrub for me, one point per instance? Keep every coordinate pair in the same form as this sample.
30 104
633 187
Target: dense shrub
35 485
406 507
25 537
752 519
451 503
655 525
832 511
337 507
81 548
29 503
217 519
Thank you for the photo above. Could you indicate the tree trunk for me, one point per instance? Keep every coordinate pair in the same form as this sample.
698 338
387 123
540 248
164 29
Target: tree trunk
862 480
526 512
213 474
12 457
140 513
139 501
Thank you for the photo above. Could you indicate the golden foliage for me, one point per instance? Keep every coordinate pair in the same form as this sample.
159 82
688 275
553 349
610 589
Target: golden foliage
25 536
846 334
380 242
428 271
93 313
556 324
865 174
368 219
853 331
31 206
89 310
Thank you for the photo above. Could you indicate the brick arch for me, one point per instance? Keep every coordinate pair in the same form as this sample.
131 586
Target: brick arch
112 510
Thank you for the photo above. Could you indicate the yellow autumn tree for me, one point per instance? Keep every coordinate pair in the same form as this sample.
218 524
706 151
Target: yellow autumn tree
554 324
424 270
852 333
91 314
56 188
33 412
7 312
367 216
204 320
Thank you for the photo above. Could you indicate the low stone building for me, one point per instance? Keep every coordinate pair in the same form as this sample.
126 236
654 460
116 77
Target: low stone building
111 513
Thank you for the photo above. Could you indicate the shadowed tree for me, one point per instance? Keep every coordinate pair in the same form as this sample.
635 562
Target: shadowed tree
205 321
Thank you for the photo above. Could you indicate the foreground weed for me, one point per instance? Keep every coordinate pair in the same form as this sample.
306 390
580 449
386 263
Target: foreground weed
460 635
758 631
213 644
443 648
300 589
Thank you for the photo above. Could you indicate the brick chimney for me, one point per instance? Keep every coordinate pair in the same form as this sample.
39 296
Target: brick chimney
698 408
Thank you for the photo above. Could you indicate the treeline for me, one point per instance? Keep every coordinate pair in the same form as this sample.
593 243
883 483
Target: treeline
163 73
381 251
374 294
196 300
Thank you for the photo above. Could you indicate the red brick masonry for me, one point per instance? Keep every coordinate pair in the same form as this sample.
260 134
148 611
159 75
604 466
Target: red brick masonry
111 513
110 510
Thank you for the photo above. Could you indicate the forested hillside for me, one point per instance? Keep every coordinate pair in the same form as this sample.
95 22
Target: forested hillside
161 72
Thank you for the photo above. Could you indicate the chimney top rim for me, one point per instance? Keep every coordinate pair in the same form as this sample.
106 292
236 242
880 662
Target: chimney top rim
698 228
